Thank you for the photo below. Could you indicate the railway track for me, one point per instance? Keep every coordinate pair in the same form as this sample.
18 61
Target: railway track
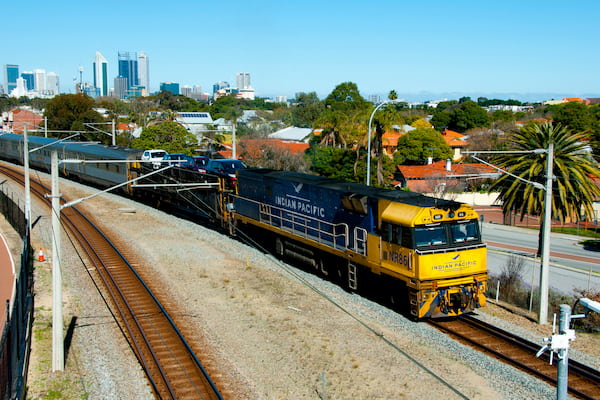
169 362
584 382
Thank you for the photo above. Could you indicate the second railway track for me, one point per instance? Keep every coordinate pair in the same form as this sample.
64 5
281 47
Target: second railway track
584 382
171 365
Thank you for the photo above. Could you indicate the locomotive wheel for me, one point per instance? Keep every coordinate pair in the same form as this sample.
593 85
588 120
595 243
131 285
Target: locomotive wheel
279 247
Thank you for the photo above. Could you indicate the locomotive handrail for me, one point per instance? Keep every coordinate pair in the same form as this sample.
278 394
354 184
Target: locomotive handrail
322 231
450 249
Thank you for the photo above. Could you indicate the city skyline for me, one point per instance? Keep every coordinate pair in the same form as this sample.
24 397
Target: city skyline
438 49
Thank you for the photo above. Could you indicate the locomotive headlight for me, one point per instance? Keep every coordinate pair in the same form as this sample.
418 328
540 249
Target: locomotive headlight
462 214
451 214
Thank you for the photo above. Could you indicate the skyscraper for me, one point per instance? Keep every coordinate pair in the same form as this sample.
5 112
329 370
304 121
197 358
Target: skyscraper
11 74
52 83
243 80
143 71
39 76
245 91
120 87
100 69
29 80
128 68
172 87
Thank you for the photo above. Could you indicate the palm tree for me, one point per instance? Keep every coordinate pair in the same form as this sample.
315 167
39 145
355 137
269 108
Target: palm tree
573 189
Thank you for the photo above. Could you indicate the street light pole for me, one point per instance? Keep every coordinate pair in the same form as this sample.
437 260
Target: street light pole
369 138
544 275
547 222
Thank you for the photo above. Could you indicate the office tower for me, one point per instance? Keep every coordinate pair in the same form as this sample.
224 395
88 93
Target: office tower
220 85
143 71
243 80
172 87
11 74
186 91
52 83
29 80
128 68
101 74
120 87
375 98
39 80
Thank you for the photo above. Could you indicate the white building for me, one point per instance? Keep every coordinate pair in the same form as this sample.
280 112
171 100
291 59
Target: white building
39 78
243 80
20 90
195 122
52 83
292 133
144 71
185 90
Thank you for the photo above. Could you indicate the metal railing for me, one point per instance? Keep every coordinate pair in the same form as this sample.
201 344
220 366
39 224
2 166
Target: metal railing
15 343
323 232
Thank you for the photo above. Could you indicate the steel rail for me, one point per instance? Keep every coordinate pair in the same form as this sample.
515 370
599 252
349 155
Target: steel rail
137 317
510 348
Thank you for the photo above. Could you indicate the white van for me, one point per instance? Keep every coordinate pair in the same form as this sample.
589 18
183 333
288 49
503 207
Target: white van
154 155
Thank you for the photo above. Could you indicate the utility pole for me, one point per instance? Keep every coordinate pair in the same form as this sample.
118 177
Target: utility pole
545 272
27 183
58 358
547 221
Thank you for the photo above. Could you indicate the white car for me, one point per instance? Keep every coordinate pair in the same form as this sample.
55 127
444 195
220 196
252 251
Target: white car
154 155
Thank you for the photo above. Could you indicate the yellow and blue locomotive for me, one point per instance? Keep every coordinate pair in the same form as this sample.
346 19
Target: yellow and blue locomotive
429 249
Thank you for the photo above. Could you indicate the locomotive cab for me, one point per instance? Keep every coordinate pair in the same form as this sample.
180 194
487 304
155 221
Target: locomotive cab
440 255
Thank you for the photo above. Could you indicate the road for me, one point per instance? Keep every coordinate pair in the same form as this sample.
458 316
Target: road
571 266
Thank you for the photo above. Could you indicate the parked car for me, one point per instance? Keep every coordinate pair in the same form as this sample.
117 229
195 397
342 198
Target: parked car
225 168
178 160
154 155
200 163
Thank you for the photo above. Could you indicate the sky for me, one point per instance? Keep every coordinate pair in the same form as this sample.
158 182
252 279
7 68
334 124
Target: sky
424 50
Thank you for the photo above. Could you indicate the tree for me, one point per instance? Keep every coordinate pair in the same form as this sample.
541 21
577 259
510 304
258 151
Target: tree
460 117
69 112
345 116
573 189
307 109
574 115
392 95
344 97
334 163
177 102
169 136
265 153
419 144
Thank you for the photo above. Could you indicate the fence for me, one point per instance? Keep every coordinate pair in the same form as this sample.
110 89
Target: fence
15 343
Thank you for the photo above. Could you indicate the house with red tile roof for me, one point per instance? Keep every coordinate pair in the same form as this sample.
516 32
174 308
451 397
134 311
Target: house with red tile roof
440 176
14 121
389 142
456 141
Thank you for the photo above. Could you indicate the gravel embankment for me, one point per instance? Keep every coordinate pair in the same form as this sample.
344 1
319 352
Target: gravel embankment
275 332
